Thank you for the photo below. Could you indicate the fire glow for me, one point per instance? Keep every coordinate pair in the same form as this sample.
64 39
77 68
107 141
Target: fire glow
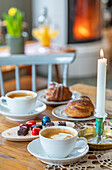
86 20
101 53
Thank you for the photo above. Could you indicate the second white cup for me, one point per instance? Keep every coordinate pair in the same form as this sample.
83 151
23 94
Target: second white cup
20 101
58 147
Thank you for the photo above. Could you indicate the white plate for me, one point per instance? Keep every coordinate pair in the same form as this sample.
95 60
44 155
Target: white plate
36 150
59 112
40 107
41 96
11 134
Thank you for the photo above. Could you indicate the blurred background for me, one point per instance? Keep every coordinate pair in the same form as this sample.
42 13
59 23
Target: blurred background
84 25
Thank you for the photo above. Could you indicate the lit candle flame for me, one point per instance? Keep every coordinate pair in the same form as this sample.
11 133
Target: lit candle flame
101 53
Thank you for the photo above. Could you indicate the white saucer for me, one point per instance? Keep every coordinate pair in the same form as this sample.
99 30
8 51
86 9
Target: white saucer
40 107
41 97
59 112
36 150
11 134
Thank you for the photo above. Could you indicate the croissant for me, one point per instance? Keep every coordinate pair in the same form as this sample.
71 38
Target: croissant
58 92
80 108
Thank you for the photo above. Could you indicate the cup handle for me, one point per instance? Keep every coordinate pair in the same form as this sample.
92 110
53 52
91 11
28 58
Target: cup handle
4 102
83 146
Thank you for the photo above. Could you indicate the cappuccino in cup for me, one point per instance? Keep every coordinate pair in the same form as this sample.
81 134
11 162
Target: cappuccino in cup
20 101
59 141
58 134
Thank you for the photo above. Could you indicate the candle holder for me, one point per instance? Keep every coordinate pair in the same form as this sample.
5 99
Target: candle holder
99 137
99 129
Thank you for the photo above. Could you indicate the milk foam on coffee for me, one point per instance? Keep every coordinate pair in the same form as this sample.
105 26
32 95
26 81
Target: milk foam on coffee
57 133
61 136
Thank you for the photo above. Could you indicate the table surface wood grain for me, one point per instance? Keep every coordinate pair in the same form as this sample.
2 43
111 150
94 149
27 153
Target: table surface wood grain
14 155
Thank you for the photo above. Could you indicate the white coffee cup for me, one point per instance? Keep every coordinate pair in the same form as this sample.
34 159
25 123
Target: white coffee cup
20 105
60 148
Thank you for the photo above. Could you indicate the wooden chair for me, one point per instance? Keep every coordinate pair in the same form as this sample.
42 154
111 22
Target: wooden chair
34 60
8 73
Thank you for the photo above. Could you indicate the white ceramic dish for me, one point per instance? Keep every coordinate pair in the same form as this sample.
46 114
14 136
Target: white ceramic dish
41 97
59 112
11 134
40 107
36 150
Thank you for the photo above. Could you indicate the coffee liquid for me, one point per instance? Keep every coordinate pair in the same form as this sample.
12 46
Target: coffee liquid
58 134
22 94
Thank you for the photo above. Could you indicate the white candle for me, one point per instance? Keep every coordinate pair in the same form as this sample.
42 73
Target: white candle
101 85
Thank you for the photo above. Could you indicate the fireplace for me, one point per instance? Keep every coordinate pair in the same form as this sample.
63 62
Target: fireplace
80 26
84 21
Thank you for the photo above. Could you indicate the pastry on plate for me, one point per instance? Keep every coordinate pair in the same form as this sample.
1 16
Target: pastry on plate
80 108
58 92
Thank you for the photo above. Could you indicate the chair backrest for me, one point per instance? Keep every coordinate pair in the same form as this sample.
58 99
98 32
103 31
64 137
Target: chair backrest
21 59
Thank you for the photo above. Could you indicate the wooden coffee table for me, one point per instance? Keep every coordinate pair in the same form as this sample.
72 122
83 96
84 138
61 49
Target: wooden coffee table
14 155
